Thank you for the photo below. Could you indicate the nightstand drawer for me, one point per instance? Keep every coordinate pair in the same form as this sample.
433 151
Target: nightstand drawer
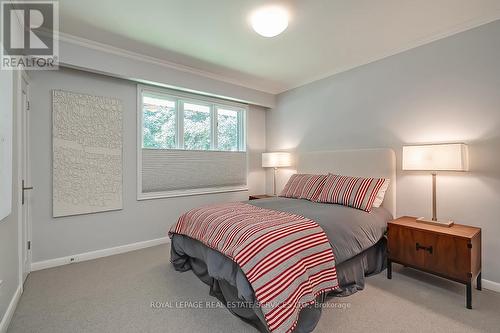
401 244
450 256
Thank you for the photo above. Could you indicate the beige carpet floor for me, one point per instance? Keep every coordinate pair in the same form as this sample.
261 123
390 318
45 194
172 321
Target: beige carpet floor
115 294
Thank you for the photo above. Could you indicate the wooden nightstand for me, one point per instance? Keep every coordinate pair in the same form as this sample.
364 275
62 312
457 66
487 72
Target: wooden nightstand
259 196
453 253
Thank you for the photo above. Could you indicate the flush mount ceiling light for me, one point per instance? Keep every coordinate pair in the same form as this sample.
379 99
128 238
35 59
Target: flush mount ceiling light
269 21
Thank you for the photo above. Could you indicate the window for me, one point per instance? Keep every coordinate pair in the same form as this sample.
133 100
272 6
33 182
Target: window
159 122
177 122
189 144
227 130
197 126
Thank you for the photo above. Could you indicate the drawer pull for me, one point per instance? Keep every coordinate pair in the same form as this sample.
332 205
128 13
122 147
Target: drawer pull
420 247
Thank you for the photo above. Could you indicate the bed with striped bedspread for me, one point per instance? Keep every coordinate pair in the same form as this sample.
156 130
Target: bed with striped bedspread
286 258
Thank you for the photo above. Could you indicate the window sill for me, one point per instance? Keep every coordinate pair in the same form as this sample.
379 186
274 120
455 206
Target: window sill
196 150
185 193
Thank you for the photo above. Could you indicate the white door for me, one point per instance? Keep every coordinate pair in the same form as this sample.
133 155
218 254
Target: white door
26 179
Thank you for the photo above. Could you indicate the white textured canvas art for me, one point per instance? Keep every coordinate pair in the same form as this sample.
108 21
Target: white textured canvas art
87 153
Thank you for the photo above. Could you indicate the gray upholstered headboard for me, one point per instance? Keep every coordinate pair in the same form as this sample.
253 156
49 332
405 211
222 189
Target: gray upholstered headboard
360 163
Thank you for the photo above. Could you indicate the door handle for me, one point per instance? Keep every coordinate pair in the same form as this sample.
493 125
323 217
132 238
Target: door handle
24 188
420 247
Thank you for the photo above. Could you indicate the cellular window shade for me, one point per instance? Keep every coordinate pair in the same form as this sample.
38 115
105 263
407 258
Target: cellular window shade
172 170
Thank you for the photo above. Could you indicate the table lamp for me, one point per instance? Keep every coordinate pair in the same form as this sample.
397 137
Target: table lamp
434 158
276 160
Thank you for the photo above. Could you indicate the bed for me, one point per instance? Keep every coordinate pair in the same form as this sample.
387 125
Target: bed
356 237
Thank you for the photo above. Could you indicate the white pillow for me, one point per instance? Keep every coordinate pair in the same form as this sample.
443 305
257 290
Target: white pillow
381 194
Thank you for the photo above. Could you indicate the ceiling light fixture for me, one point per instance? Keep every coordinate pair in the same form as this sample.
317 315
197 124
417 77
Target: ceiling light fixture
269 21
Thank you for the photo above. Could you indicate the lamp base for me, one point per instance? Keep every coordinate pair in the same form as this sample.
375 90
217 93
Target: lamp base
441 223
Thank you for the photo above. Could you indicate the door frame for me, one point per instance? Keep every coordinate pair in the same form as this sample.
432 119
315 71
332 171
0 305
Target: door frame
21 78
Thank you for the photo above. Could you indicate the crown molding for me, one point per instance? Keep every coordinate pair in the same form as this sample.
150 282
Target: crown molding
467 25
98 46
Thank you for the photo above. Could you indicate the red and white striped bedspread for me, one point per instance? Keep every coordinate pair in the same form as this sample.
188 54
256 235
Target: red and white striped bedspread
286 258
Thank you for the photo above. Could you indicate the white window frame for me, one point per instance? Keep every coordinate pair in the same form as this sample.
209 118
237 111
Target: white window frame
181 97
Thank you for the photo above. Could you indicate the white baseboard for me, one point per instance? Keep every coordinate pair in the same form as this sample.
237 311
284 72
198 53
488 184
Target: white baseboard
36 266
491 285
7 317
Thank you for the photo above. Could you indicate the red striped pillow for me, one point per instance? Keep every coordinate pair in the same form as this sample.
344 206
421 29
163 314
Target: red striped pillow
356 192
303 186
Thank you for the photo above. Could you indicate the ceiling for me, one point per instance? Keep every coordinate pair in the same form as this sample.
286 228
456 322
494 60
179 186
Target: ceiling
324 37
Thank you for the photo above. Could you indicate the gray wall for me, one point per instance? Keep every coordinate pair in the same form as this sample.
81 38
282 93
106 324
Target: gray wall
445 91
139 220
9 257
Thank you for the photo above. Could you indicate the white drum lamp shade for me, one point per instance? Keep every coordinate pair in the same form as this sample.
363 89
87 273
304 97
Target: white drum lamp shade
442 157
276 160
